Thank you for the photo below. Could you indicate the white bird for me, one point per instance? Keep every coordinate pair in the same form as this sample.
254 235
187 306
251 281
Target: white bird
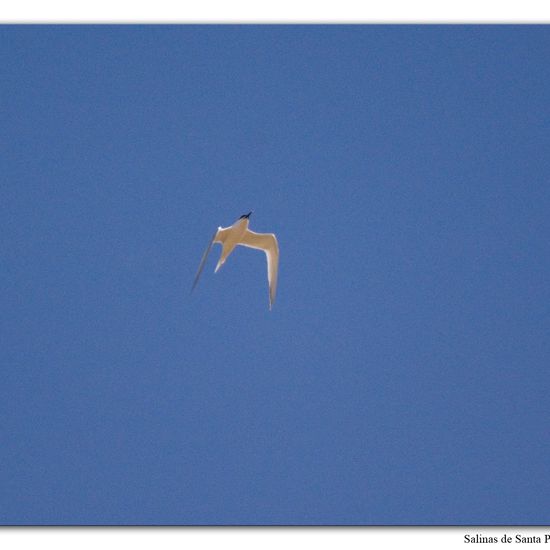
238 233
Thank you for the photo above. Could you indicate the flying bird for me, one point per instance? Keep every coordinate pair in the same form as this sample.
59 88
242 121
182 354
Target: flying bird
238 233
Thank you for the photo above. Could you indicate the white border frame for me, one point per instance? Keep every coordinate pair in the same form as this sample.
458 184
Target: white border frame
272 11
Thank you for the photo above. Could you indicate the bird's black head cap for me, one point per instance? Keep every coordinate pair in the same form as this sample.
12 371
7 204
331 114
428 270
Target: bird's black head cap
246 215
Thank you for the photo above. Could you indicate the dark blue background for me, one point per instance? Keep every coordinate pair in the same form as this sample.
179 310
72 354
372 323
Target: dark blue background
403 374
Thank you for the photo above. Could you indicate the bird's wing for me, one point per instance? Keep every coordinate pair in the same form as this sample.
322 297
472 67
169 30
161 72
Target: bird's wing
268 243
218 237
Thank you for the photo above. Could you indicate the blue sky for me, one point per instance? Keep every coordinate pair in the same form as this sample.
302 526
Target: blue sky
402 376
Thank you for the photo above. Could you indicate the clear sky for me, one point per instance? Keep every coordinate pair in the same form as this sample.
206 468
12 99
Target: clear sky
403 374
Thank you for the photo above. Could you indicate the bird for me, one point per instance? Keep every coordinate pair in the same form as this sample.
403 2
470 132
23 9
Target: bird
239 234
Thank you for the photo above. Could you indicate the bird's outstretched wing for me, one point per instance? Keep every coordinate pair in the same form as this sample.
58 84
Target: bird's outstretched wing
218 237
268 243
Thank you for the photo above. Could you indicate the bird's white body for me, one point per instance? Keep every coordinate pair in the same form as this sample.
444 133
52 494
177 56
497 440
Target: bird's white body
239 234
229 238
